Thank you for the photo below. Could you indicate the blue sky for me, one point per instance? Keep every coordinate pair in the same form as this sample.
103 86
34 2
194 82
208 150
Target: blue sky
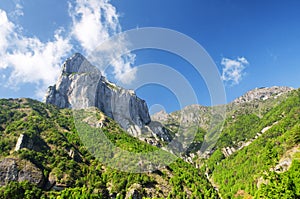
253 43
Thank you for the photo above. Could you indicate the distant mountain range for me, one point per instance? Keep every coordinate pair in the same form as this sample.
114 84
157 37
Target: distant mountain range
251 153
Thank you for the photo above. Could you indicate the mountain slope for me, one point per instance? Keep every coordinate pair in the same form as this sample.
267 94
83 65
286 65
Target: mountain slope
41 151
245 110
241 174
54 158
260 129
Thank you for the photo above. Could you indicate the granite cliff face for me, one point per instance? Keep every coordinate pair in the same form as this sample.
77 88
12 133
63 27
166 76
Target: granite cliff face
81 85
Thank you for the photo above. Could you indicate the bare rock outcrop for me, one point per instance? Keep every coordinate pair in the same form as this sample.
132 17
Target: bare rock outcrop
13 169
35 143
81 85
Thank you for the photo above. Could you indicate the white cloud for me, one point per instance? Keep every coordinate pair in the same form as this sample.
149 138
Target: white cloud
6 29
94 22
37 62
31 60
18 10
34 61
123 70
233 69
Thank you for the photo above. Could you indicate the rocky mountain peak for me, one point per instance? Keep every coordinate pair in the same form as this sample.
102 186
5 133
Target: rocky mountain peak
262 93
77 64
81 85
160 116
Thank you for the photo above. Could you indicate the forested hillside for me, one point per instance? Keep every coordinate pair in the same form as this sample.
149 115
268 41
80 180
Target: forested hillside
43 156
52 162
268 166
257 153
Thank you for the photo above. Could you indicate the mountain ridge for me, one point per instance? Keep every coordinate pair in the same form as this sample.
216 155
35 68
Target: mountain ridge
262 93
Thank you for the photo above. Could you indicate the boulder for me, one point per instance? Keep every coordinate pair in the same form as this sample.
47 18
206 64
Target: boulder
13 169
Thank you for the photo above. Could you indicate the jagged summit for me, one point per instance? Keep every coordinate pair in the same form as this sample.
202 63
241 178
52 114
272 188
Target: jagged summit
81 85
263 93
160 116
78 64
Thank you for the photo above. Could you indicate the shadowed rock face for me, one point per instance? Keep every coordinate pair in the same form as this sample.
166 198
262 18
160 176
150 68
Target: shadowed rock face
32 143
81 85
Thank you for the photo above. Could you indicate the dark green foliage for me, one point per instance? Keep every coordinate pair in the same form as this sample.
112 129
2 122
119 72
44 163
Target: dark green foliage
215 158
188 176
15 190
199 134
80 192
238 129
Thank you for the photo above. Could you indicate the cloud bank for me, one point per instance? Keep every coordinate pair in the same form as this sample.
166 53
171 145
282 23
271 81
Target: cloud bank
33 61
233 70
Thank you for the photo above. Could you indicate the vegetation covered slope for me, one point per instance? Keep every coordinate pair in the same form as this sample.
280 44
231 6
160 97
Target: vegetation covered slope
265 136
252 157
248 109
60 166
255 170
